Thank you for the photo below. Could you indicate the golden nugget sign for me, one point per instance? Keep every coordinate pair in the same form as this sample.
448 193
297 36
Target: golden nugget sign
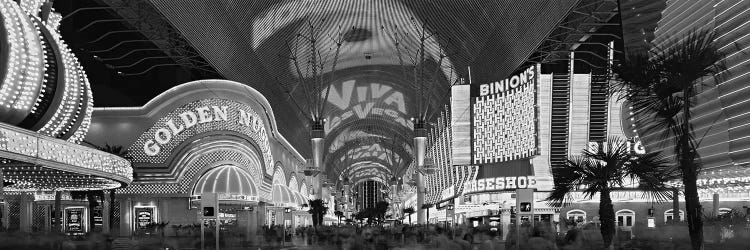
499 184
200 115
155 146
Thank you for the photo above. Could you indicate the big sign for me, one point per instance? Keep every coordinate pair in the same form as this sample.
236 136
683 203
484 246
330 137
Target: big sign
504 119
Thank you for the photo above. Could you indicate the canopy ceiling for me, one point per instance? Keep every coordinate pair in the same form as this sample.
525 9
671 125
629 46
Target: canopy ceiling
375 86
373 93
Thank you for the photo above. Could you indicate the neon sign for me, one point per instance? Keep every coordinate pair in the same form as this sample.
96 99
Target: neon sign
156 144
526 77
499 184
199 115
631 145
504 119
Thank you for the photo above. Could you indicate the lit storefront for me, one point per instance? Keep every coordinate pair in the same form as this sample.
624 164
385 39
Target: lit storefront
210 136
45 112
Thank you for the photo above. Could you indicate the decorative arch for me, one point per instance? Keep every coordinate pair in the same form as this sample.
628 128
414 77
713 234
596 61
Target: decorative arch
293 183
279 178
669 215
625 218
577 215
303 191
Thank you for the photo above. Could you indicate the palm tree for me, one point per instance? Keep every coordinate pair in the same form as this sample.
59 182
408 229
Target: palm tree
317 210
409 211
662 88
121 152
607 169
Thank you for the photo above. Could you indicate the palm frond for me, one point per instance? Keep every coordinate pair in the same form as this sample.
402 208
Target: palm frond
568 179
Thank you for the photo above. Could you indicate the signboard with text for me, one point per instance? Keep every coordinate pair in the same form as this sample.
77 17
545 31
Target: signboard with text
74 220
503 118
143 217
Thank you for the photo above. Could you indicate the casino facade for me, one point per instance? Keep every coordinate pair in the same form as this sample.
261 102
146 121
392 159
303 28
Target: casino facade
209 136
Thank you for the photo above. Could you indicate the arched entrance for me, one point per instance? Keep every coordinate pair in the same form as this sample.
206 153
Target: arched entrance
237 193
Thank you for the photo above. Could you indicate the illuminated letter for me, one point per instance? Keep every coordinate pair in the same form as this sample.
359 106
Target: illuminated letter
484 89
342 100
151 148
398 98
245 118
499 87
490 183
522 183
639 148
175 130
189 119
203 115
514 82
532 73
523 77
162 136
500 183
510 182
480 185
256 124
220 113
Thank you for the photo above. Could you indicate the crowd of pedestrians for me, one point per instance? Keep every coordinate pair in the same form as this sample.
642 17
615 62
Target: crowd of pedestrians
456 237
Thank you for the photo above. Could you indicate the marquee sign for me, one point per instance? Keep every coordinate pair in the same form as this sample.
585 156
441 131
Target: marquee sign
505 183
208 115
504 119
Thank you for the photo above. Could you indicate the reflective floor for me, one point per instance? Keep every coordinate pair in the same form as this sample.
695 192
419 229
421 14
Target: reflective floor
398 237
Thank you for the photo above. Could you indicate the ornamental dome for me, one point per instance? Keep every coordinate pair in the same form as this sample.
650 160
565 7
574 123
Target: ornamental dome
42 85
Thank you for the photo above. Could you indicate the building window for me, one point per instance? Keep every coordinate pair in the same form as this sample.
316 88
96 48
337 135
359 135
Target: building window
576 215
625 218
669 216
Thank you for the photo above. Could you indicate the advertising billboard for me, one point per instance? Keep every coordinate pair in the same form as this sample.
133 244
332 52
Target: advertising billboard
143 217
503 118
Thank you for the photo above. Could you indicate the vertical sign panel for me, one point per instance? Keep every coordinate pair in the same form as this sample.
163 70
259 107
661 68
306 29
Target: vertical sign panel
504 119
461 124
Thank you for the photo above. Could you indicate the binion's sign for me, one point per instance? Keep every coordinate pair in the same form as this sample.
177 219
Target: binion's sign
506 183
528 76
631 145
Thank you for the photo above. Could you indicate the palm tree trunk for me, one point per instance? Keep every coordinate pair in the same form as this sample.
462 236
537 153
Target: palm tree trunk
690 174
607 218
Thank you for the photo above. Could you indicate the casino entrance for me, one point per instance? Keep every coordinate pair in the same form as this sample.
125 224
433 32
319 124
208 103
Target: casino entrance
238 198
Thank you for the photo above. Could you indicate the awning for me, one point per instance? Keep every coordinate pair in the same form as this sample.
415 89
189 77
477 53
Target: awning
34 162
229 182
283 196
